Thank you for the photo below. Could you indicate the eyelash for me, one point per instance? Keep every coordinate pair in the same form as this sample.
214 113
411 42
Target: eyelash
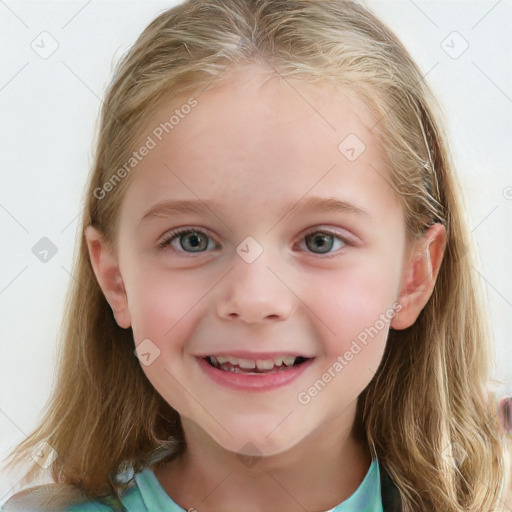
166 241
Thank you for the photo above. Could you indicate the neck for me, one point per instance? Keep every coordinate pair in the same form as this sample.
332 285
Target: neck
320 472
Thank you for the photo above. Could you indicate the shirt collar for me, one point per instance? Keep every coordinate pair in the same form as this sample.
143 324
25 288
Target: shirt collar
367 496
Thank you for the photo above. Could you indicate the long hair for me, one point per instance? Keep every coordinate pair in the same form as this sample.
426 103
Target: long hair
428 413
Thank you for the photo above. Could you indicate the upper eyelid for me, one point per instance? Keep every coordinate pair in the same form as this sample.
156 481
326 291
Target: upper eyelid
173 233
330 231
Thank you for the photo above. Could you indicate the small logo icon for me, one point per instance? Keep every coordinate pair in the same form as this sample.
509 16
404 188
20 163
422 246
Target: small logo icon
249 455
351 147
249 250
45 45
43 454
147 352
454 455
454 45
44 250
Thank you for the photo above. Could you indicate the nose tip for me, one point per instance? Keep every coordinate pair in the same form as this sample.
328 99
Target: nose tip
253 293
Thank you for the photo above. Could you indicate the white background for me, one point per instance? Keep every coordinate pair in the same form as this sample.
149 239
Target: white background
49 111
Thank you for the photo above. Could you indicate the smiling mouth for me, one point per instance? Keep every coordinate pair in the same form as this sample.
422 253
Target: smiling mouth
254 367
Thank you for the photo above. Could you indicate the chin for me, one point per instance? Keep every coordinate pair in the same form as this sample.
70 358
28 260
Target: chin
258 443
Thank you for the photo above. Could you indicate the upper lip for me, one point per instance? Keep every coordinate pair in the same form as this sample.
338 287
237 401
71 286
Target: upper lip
242 354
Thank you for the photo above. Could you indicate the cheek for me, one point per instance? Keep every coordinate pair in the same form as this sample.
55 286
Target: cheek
353 325
164 304
165 308
356 306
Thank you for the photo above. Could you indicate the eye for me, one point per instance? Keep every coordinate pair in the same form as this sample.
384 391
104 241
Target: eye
187 240
324 241
193 241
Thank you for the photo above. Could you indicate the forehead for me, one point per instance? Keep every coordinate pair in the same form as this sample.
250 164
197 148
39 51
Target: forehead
256 138
253 105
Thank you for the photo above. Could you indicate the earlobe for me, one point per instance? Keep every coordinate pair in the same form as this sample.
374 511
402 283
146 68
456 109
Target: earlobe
106 269
420 275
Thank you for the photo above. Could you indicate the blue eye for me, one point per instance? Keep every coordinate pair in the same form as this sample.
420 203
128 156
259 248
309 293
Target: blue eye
322 242
194 241
187 240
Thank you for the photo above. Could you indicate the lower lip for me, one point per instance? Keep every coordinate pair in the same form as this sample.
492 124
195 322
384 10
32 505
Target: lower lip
254 382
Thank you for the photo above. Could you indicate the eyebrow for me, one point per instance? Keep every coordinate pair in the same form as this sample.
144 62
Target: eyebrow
324 205
168 208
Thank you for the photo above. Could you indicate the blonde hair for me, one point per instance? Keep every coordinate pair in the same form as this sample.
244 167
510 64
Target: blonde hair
429 401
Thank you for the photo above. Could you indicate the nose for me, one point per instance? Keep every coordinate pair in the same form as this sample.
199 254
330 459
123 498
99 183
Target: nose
255 292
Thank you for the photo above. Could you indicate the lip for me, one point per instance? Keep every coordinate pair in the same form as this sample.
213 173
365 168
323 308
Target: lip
260 382
241 354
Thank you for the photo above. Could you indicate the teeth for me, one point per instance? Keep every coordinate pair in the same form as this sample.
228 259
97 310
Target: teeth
265 364
288 360
251 364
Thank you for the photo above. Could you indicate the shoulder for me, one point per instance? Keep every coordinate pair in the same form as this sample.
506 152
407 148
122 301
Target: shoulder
69 498
54 498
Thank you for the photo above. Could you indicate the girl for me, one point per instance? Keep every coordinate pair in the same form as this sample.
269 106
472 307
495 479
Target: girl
273 307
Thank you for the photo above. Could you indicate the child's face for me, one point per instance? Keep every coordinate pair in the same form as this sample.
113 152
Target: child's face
246 150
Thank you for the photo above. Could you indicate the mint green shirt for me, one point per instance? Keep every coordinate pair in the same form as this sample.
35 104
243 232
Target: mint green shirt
147 495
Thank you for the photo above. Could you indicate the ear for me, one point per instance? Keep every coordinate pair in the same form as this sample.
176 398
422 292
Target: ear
106 269
420 274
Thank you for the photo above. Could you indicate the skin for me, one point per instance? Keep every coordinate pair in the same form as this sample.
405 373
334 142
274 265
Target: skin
251 145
